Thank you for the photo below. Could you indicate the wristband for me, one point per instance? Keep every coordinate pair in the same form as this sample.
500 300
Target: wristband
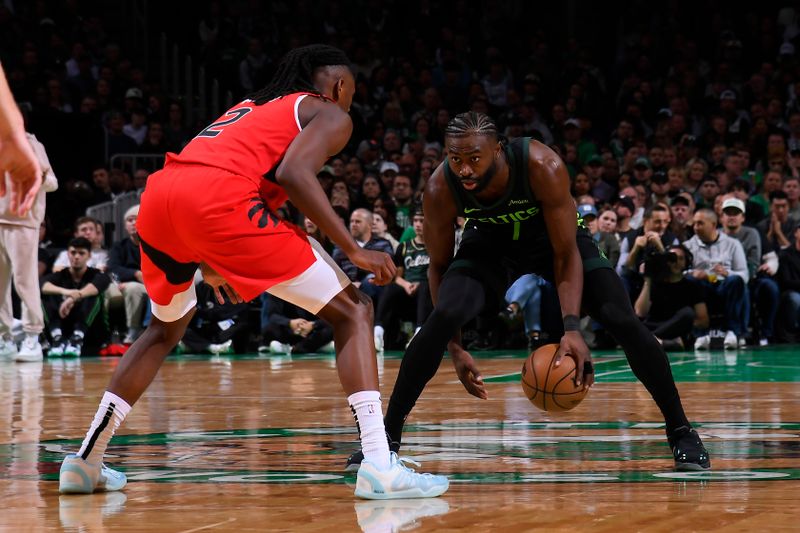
572 323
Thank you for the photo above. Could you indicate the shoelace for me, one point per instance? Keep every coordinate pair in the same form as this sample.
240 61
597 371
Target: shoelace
403 461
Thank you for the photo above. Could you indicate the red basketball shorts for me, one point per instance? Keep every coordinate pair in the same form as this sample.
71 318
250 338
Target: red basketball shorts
191 214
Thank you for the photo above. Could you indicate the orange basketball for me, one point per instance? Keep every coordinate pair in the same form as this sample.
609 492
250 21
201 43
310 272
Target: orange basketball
548 387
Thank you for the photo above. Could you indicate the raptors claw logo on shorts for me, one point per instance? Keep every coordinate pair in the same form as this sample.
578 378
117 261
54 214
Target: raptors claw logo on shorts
266 215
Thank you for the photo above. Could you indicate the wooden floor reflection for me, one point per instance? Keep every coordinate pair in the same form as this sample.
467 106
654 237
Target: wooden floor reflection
258 444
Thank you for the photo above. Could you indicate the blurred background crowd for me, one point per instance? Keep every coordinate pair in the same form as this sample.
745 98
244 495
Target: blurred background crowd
679 124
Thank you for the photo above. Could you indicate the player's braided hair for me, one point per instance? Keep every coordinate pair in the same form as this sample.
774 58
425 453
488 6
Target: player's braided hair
295 71
471 123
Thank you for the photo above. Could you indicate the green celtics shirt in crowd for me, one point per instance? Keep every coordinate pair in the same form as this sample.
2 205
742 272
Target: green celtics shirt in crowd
517 214
414 259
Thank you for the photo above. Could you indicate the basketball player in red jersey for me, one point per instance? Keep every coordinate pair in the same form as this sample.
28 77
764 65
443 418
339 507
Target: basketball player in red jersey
212 207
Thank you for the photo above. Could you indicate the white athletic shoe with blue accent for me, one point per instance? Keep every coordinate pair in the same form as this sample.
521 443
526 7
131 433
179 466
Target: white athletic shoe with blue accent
399 481
78 476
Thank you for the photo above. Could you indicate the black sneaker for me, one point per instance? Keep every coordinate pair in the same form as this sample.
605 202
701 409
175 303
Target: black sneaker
482 344
510 316
688 450
536 340
354 461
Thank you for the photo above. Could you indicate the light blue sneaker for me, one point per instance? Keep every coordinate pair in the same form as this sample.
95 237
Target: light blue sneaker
399 481
80 477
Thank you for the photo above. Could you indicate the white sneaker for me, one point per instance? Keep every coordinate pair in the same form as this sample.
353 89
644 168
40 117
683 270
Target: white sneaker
223 347
742 343
398 482
702 342
730 342
74 346
7 348
78 476
131 336
378 338
763 342
394 515
328 348
57 348
279 347
30 350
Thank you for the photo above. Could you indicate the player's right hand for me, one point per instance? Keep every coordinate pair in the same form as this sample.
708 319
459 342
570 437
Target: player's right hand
379 263
217 282
468 372
24 174
573 345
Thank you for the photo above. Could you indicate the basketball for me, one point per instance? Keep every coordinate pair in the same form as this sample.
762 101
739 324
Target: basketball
548 387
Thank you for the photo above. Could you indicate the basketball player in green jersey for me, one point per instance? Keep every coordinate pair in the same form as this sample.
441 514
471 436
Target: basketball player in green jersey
521 219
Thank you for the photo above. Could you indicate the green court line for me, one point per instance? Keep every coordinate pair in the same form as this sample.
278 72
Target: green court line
166 475
774 365
555 443
777 364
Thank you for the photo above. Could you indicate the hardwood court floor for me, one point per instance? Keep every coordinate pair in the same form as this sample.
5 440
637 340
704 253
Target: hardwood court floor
249 443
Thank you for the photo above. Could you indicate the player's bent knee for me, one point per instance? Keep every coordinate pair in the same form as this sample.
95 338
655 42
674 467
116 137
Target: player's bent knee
453 316
349 306
165 333
618 318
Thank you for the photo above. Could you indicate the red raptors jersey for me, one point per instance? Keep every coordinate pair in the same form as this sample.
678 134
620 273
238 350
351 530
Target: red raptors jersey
249 140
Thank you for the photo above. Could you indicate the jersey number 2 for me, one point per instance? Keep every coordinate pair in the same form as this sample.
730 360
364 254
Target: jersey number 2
216 128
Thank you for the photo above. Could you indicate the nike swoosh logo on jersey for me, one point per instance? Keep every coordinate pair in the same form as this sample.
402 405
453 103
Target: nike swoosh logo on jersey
470 210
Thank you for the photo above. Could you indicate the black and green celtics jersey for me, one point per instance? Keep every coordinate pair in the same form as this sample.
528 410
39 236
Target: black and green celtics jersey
517 214
509 238
414 259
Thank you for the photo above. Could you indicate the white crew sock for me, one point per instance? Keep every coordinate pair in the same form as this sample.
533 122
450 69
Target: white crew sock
366 407
378 330
110 414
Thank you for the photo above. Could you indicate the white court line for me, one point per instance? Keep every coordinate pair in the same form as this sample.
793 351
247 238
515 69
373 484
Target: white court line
760 364
671 364
596 363
209 526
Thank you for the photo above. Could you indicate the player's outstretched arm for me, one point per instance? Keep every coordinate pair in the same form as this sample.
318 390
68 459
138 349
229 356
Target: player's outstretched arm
323 136
550 184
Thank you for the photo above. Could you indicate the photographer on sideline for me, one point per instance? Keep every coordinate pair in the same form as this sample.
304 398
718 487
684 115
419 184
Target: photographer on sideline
670 305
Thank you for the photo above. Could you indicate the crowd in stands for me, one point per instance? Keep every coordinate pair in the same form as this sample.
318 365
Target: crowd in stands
681 135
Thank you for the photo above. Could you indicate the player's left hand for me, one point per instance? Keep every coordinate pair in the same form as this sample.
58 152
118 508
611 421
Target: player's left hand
217 282
24 174
573 345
